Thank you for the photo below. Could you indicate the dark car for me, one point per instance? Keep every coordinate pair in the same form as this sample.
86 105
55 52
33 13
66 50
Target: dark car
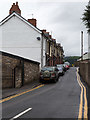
65 67
49 74
61 69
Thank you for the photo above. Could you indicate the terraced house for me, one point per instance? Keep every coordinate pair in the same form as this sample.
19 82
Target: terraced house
25 49
54 51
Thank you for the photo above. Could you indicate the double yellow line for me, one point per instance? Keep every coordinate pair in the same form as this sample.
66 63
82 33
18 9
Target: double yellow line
83 102
14 96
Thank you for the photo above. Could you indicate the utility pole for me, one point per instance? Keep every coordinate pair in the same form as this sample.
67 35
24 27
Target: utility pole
81 45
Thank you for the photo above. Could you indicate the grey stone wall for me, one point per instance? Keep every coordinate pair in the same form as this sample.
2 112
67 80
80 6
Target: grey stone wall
18 77
8 65
31 72
84 70
17 71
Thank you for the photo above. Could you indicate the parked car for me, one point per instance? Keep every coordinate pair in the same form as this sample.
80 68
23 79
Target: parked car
65 67
67 64
61 69
49 74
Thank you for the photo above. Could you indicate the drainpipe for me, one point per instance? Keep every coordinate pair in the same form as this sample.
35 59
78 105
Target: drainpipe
42 50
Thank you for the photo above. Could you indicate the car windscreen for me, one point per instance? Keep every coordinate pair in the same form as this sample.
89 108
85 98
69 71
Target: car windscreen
47 69
59 66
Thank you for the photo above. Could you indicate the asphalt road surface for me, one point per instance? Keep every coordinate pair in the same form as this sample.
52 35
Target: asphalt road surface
52 100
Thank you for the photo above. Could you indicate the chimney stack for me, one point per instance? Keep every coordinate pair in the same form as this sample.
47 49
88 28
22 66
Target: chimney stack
33 21
50 36
15 8
44 30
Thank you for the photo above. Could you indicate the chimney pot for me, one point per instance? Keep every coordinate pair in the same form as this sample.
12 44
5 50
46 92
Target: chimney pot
15 8
13 3
43 30
16 3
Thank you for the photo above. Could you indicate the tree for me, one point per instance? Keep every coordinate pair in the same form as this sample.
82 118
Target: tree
86 20
86 17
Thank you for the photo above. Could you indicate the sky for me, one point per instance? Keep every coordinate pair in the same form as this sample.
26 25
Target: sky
62 18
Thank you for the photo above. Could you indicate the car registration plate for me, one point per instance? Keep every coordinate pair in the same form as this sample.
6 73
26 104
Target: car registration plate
46 78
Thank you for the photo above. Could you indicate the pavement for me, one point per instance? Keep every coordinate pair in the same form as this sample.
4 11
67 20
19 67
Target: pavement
7 92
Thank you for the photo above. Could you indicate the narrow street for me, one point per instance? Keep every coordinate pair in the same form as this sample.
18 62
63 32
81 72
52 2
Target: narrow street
59 100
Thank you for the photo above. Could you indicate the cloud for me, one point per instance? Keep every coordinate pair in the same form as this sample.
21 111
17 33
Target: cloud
62 18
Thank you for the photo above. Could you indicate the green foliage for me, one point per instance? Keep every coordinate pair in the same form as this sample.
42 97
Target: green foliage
86 17
71 59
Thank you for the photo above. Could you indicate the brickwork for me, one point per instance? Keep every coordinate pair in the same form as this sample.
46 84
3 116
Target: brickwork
15 8
17 71
33 21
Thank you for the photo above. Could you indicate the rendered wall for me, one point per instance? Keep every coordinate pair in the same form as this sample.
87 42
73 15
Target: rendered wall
20 39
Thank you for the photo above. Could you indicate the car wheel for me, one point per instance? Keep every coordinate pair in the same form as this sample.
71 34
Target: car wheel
55 80
41 81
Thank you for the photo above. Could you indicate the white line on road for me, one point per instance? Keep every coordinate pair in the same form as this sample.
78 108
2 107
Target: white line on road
17 116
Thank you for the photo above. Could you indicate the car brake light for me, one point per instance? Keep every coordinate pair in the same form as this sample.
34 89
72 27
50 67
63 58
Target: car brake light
40 73
53 75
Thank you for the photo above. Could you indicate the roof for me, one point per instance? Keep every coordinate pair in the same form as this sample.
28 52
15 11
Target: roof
20 17
18 57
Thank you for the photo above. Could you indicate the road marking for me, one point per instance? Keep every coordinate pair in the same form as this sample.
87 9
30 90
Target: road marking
20 114
81 99
14 96
85 104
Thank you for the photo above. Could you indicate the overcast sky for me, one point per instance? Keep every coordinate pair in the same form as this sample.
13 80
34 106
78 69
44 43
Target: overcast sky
62 19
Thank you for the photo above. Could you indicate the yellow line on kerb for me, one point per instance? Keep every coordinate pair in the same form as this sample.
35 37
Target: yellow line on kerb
9 98
81 99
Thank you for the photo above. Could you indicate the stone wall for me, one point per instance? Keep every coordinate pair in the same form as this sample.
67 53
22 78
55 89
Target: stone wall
17 71
31 72
84 70
8 65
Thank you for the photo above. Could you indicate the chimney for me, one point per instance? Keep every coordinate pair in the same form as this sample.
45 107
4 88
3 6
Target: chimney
15 8
33 21
44 30
50 36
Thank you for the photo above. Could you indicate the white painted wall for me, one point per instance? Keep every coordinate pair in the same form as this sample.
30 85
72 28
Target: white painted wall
20 39
0 38
86 56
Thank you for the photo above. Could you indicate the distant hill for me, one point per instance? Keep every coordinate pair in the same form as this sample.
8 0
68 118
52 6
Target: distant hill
71 59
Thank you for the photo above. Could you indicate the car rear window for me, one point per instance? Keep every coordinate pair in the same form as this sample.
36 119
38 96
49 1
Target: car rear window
59 65
47 69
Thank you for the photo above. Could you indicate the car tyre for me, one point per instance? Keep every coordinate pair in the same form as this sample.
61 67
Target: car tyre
41 81
55 80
